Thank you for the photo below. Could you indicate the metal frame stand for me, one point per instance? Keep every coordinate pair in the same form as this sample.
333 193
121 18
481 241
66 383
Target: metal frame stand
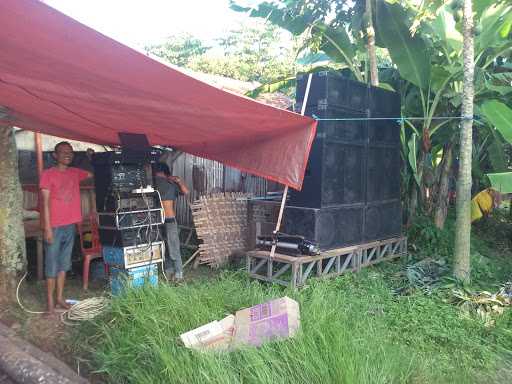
295 271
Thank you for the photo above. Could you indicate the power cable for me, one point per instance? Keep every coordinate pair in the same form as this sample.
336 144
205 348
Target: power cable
86 309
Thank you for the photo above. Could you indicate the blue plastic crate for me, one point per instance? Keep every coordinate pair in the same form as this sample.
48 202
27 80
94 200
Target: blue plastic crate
133 277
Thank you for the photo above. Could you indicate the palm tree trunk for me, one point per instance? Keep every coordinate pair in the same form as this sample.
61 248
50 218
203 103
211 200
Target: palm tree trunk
461 265
441 209
372 54
12 236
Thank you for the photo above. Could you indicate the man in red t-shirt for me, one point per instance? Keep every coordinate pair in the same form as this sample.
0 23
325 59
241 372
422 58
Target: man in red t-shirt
60 188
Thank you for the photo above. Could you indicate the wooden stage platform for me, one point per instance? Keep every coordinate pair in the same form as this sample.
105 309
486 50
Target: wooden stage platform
294 271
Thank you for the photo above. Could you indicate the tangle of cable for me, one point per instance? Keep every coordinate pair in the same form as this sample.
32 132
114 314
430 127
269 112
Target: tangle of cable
86 309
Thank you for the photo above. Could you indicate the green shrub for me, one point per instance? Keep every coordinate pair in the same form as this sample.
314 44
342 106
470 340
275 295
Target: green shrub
426 239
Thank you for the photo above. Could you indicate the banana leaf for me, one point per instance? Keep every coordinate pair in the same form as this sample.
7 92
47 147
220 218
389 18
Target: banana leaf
336 43
501 182
499 115
493 23
480 6
408 52
269 11
272 87
496 154
313 58
444 27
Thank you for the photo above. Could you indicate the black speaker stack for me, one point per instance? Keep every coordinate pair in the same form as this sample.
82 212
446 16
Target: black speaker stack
351 190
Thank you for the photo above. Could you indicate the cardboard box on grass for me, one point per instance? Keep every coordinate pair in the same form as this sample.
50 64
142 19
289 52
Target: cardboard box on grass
214 336
275 319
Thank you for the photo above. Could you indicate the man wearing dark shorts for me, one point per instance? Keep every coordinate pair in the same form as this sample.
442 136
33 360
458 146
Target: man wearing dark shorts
169 188
60 189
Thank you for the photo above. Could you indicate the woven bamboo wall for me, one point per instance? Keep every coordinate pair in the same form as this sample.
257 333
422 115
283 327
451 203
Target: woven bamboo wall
221 223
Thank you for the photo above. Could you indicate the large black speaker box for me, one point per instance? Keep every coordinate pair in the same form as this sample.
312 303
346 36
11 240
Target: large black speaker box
382 220
330 89
382 173
351 188
330 228
334 175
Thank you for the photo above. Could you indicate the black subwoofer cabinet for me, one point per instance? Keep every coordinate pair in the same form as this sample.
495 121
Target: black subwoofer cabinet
351 189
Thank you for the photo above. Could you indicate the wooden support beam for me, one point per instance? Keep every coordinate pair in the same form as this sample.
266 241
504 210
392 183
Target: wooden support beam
308 270
282 270
329 265
258 266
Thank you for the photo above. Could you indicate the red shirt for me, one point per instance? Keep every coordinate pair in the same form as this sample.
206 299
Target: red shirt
64 187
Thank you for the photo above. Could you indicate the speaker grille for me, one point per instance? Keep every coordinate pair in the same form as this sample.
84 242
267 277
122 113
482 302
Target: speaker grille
383 220
383 174
330 227
384 132
343 170
383 103
330 89
351 190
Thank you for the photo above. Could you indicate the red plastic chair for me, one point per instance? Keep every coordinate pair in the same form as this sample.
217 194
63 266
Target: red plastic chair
93 251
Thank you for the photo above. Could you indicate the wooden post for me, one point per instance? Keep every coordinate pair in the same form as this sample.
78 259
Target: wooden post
285 192
39 154
38 146
278 224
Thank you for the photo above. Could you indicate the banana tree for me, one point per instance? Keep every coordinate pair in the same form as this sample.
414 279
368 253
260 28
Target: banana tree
425 44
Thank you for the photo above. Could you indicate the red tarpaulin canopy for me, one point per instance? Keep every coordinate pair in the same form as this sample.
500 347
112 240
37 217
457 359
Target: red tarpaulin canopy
60 77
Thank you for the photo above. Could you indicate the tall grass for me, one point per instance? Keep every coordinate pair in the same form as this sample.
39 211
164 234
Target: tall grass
353 330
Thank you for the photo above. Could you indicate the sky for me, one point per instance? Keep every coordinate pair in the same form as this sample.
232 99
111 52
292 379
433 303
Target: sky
137 23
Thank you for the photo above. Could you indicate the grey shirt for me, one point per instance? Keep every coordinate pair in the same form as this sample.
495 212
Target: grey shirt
168 190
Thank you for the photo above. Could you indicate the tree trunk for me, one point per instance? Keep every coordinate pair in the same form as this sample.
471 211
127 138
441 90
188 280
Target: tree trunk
372 54
441 209
461 265
12 235
417 191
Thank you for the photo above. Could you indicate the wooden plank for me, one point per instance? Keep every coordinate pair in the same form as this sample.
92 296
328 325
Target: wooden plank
282 270
191 258
293 281
395 247
258 266
270 266
384 250
346 262
372 254
248 262
329 265
277 256
308 270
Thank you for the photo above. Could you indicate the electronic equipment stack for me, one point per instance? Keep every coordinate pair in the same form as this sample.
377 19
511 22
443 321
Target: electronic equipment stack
351 189
130 216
